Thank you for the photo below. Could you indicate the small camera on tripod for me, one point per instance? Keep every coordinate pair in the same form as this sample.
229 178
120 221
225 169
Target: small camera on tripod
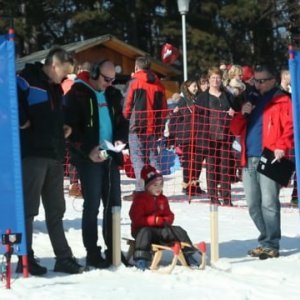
11 238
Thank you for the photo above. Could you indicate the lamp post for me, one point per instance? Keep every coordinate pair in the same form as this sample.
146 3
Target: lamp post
183 8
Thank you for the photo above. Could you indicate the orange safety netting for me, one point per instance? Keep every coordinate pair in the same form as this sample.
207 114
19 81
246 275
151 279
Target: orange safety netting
195 151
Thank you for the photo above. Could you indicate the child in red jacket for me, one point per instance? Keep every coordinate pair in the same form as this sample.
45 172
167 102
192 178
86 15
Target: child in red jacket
152 220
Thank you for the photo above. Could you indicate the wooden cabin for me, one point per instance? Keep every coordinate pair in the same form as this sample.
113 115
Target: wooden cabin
122 54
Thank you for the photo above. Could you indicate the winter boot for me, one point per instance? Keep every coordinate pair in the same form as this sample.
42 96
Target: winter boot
94 259
256 252
269 253
34 268
68 265
141 264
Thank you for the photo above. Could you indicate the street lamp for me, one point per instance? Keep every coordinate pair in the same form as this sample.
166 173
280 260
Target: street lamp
183 8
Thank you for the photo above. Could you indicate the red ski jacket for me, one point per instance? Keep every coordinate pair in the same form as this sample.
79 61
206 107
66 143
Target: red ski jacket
145 104
277 129
148 210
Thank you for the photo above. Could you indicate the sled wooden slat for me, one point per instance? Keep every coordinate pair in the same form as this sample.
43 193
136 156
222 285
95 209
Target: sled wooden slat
158 251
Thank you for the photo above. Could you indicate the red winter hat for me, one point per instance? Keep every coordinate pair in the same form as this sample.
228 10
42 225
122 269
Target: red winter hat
248 73
149 174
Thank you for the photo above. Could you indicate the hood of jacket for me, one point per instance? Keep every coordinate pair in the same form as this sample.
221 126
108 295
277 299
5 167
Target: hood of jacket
34 71
146 76
84 76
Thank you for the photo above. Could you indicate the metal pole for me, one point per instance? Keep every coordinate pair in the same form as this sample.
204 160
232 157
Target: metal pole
184 47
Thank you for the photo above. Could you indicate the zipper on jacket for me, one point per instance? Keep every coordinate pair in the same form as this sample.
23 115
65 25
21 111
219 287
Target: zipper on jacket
51 103
269 126
92 112
113 112
155 204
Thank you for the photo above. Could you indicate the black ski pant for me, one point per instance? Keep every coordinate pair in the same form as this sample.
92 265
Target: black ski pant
218 170
162 236
99 181
43 179
192 159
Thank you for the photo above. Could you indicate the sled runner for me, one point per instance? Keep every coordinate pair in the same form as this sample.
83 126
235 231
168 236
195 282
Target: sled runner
176 249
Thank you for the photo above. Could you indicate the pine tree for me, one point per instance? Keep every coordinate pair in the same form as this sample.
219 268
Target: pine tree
237 31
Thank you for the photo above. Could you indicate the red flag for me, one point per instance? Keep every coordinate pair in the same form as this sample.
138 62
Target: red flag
169 53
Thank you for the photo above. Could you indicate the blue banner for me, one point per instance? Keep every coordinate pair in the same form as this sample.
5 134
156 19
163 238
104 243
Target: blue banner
294 67
11 193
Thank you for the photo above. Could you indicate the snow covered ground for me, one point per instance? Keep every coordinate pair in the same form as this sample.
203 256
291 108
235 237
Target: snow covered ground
237 276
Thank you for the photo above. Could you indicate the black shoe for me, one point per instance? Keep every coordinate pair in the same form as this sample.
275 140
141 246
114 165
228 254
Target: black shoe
68 265
215 201
108 256
34 268
194 191
294 202
269 253
227 203
94 259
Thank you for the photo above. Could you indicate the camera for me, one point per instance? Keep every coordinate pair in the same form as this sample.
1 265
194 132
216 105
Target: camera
11 238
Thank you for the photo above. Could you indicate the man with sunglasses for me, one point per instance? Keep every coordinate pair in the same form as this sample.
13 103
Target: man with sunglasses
265 120
93 110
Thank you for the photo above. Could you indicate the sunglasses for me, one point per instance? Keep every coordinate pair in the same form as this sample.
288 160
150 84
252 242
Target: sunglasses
262 81
107 79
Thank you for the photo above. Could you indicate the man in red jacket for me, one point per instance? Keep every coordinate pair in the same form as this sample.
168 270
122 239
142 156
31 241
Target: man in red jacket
152 219
146 109
265 120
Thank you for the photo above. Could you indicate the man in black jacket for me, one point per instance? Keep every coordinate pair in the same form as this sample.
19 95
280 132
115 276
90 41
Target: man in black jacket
93 110
42 132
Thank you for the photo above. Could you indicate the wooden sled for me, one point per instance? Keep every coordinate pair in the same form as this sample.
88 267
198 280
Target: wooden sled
176 249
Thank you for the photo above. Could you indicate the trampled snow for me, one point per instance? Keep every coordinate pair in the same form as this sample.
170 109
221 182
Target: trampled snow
235 275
